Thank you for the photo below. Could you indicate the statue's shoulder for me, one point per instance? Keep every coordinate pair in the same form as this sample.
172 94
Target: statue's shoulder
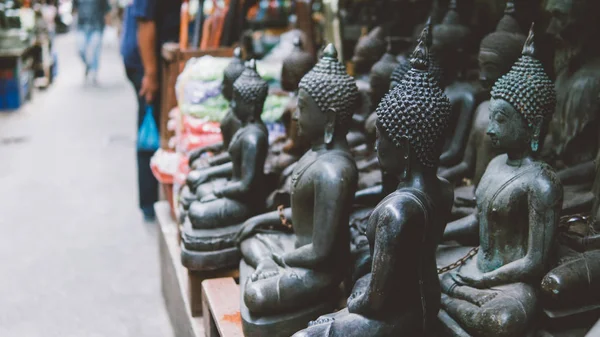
336 165
255 135
403 207
545 185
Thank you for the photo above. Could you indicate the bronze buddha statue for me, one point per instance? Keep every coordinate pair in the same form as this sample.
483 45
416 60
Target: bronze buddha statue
289 278
451 41
573 141
498 51
400 296
519 198
229 126
572 286
213 220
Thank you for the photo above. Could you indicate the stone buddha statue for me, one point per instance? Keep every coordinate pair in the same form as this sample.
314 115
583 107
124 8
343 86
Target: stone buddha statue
229 124
519 199
289 277
573 141
214 219
498 51
572 286
400 296
451 42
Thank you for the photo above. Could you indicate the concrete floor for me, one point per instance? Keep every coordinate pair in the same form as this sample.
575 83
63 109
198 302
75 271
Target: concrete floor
76 258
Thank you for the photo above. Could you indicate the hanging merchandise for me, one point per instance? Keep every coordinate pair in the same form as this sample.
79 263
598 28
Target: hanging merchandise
148 135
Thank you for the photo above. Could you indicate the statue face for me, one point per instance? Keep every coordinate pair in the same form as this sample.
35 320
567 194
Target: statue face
507 129
311 121
392 159
490 68
242 110
563 18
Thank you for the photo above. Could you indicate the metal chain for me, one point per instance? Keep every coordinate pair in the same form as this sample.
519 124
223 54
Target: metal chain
460 261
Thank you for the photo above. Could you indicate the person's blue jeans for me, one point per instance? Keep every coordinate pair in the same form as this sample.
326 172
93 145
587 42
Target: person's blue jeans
147 183
89 42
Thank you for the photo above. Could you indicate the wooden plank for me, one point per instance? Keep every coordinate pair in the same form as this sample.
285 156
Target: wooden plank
223 298
195 280
174 277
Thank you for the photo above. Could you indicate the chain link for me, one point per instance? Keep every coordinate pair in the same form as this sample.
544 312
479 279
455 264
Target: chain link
460 261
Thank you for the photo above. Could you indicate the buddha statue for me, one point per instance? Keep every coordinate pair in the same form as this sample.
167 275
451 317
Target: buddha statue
494 292
213 221
498 51
400 296
573 139
229 126
369 49
289 277
451 42
571 287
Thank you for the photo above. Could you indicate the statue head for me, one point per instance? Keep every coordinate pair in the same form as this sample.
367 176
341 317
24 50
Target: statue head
571 19
522 104
369 49
326 99
295 66
249 94
500 49
233 70
434 67
450 40
379 77
412 119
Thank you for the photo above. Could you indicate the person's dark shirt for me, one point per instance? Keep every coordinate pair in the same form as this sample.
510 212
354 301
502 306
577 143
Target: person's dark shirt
166 15
91 13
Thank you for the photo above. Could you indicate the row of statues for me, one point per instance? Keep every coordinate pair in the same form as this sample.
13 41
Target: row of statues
419 203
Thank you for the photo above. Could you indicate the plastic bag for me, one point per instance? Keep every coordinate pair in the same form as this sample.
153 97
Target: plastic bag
148 135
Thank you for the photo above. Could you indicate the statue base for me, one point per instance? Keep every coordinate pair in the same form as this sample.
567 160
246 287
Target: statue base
209 249
283 325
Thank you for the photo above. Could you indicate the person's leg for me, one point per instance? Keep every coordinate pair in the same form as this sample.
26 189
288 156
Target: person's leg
81 45
95 49
147 183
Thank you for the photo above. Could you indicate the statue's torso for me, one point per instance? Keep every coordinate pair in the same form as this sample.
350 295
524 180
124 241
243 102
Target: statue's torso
236 147
303 193
230 124
503 212
462 98
414 271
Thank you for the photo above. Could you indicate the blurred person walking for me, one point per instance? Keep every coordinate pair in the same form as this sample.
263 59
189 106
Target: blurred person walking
92 16
147 25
